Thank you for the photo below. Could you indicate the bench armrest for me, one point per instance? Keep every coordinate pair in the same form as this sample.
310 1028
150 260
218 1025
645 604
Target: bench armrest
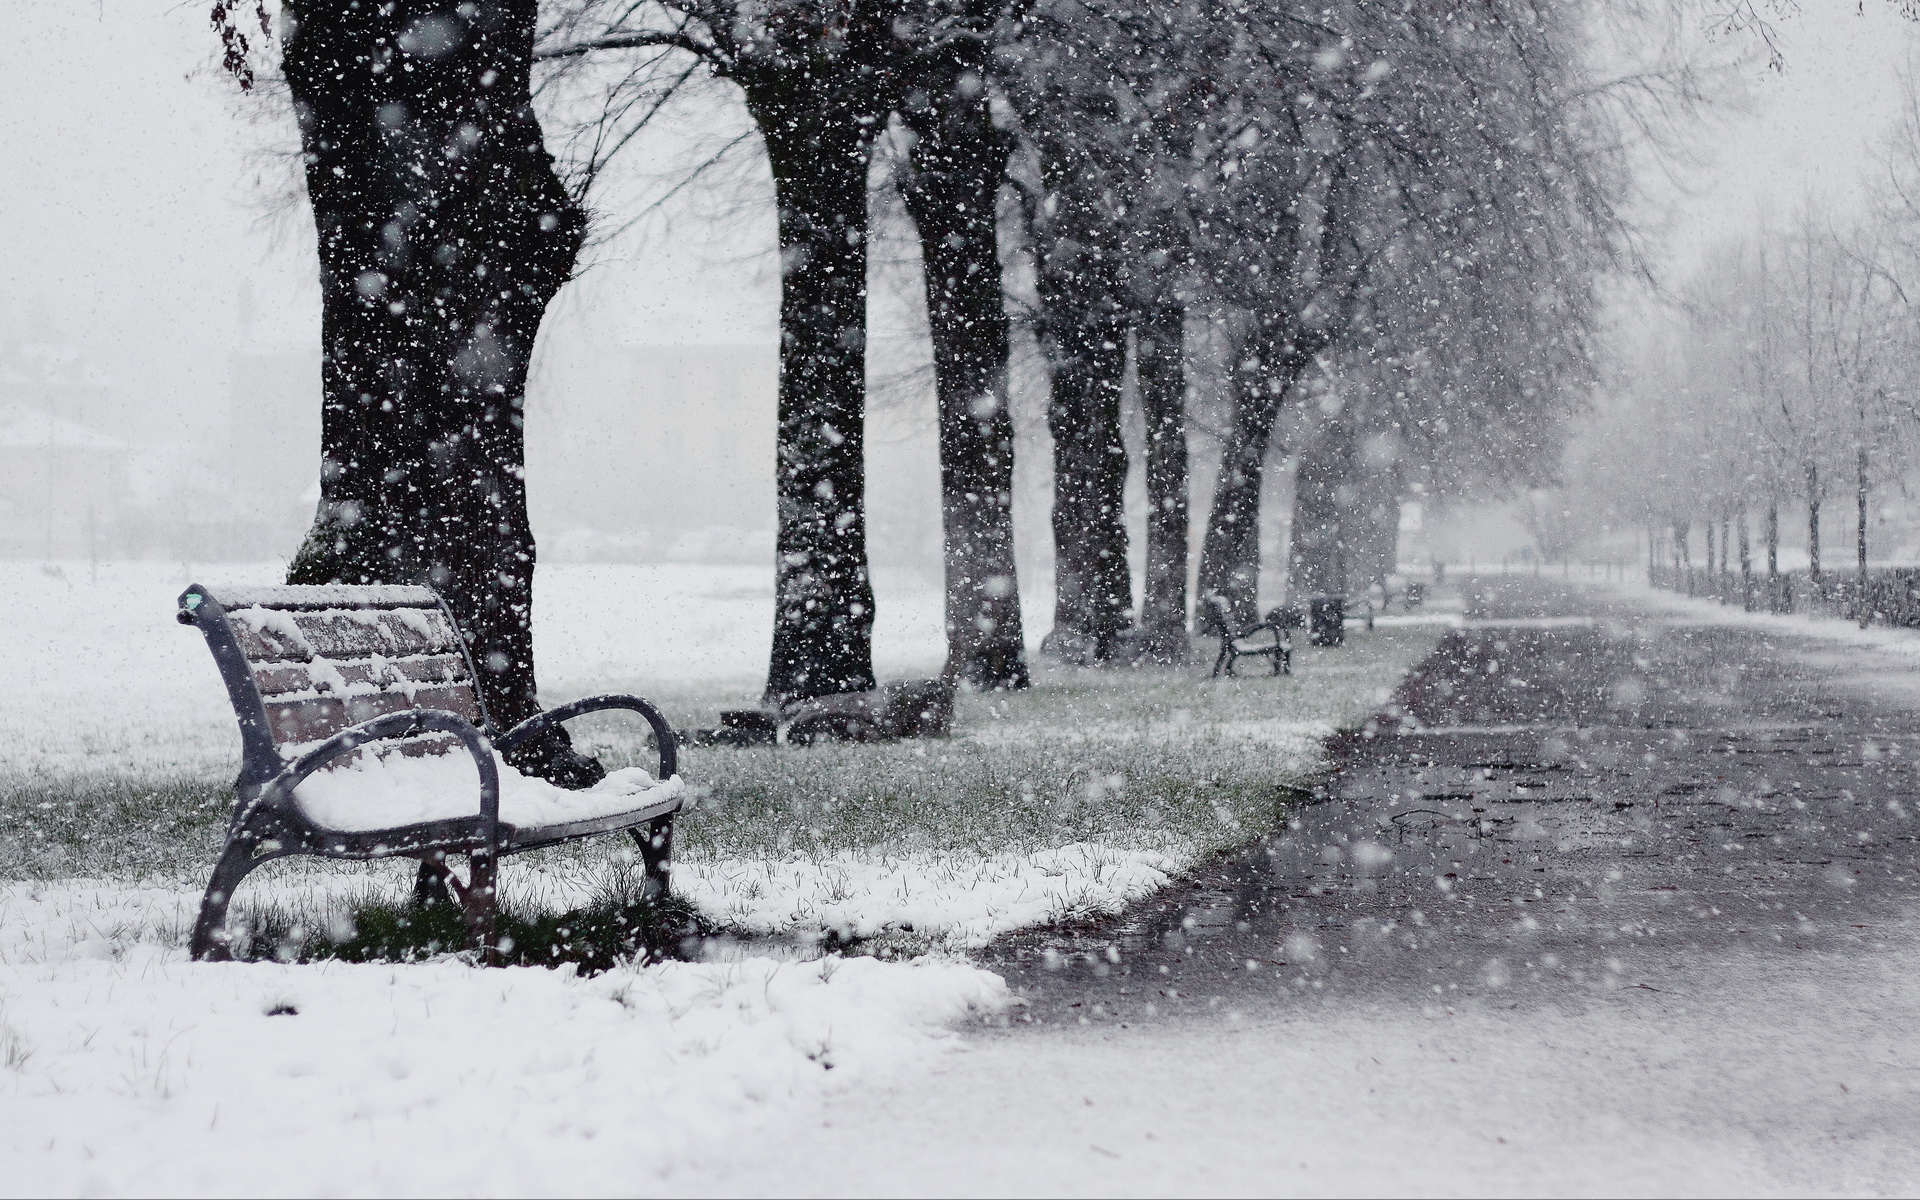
387 727
541 722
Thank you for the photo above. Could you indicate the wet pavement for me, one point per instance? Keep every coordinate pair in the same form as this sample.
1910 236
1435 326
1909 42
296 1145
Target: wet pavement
1572 795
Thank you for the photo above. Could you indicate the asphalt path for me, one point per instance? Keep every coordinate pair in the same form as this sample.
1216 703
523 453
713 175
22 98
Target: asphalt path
1606 901
1567 792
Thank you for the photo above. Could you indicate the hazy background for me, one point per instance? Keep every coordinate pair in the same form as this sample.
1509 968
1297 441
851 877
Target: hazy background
159 318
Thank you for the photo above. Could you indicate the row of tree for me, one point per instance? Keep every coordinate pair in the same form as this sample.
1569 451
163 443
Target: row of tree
1791 378
1399 208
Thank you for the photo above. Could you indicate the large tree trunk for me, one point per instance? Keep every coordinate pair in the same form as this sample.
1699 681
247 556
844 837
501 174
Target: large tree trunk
1713 580
1323 492
1373 544
951 191
1773 540
1746 563
1262 377
1160 372
1862 604
823 603
1813 526
443 235
1093 589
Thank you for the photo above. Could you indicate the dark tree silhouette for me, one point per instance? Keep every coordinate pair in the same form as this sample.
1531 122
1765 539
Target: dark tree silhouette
821 81
443 235
951 188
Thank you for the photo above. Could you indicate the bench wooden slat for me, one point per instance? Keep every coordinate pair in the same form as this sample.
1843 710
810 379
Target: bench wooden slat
298 597
281 635
367 675
299 722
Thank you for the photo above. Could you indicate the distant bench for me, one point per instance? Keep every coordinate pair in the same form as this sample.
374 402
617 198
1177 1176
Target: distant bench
363 737
1270 637
1323 616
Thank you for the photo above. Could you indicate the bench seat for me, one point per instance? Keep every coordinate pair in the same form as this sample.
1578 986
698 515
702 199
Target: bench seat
384 791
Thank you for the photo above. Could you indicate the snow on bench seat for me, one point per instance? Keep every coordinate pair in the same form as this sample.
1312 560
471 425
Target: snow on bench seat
388 791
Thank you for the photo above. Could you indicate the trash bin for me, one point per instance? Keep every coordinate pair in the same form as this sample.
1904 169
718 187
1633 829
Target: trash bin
1327 620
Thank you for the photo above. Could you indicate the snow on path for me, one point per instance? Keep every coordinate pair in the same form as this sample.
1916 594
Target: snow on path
1676 608
1791 1074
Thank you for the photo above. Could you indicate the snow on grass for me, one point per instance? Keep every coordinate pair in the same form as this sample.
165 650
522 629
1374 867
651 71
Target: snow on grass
152 1075
1677 608
99 676
1071 799
126 1068
960 901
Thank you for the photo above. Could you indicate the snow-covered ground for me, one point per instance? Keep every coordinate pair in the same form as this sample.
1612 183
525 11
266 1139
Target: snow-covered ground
126 1068
149 1075
1715 1082
1698 609
108 689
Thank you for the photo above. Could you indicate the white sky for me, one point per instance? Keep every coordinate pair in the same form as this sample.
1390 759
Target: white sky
132 214
1810 128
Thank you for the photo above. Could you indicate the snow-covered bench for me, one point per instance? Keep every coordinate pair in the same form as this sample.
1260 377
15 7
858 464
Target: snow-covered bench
363 737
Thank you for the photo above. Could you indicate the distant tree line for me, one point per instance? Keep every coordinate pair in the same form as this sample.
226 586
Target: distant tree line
1789 381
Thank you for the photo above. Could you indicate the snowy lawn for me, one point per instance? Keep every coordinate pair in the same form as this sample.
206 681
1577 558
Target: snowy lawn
1088 791
149 1075
125 1068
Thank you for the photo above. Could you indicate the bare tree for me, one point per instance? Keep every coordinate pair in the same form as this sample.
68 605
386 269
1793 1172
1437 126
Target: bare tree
443 233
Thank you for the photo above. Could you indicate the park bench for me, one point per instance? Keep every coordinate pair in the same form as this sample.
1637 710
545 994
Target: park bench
364 737
1270 637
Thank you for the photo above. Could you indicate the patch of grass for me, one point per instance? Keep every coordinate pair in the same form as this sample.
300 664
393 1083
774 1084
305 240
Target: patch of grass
101 824
1155 758
1144 758
610 930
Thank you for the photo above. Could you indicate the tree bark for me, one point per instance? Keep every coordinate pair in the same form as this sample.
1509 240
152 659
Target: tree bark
1160 369
1861 601
1746 565
1322 494
1262 377
951 191
1813 525
1093 589
443 235
1775 601
823 603
1713 571
1374 544
1773 539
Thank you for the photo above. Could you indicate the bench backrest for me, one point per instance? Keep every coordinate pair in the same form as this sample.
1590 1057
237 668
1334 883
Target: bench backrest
303 663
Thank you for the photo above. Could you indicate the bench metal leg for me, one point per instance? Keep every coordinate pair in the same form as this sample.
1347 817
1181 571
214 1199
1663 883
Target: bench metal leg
478 897
430 885
480 904
656 853
210 930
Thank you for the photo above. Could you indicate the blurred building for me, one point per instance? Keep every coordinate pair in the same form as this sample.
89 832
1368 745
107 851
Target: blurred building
654 453
63 476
